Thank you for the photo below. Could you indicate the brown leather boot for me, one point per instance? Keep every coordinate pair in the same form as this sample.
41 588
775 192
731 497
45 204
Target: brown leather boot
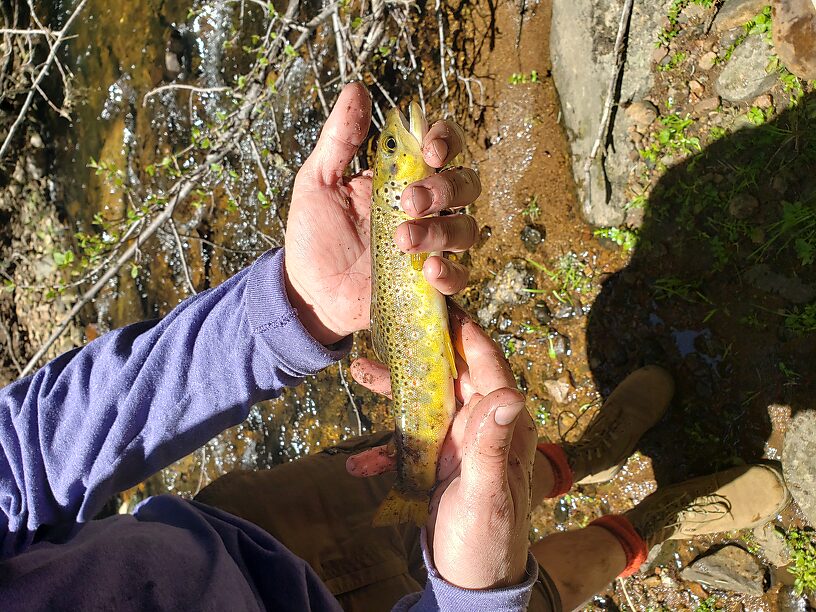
634 406
738 498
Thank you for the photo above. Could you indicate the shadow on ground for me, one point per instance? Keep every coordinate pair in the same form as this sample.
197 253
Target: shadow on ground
722 291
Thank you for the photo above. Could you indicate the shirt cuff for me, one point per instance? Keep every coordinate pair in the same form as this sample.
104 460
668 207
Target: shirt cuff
270 315
442 595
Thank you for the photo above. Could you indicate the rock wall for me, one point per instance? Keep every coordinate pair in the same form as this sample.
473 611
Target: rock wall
582 46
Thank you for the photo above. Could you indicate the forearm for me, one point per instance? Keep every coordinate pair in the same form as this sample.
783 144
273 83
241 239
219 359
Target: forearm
102 418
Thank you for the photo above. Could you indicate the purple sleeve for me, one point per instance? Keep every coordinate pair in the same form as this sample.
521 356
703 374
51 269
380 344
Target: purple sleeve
102 418
440 595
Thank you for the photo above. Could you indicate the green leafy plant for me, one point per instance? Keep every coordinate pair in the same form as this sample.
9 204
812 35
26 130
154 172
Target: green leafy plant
624 237
708 605
802 548
533 210
801 320
674 61
521 78
671 137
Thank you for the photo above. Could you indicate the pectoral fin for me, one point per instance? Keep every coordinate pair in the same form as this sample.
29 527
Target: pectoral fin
450 355
417 260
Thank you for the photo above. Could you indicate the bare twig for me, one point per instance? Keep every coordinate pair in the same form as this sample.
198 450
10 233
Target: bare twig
441 24
11 348
339 44
190 88
180 247
626 594
43 71
603 128
320 95
354 406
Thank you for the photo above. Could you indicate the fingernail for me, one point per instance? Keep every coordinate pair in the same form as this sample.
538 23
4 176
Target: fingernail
440 147
416 234
443 270
506 414
420 199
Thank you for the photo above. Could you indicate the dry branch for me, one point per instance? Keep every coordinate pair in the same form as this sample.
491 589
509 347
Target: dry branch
60 38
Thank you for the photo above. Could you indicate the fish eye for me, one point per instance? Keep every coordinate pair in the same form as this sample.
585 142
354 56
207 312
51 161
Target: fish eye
391 143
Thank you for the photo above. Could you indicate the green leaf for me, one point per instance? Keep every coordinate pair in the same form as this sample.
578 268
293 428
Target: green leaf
134 270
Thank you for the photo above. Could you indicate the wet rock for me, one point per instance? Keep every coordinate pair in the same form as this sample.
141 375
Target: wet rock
558 345
788 601
532 236
511 345
505 323
744 76
507 288
642 113
567 311
707 61
582 40
794 35
708 105
735 13
729 569
797 461
743 206
542 313
773 545
559 390
792 289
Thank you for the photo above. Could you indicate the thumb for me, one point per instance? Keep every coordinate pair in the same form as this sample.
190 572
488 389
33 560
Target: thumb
488 436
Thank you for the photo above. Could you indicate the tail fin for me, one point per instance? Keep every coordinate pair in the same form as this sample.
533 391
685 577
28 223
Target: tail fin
399 507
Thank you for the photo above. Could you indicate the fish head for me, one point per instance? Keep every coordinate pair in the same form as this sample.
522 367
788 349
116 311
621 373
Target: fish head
399 158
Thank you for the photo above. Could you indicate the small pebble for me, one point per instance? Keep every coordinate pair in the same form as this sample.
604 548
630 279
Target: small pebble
707 61
532 236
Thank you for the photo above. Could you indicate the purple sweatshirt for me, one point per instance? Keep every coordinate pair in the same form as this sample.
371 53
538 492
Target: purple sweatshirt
100 419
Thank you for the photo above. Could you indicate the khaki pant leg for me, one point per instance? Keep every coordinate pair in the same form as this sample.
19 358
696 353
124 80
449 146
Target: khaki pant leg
323 515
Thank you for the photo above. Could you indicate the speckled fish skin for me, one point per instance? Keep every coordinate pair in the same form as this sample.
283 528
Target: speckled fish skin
409 322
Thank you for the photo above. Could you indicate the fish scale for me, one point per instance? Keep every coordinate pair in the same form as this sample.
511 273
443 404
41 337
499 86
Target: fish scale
409 322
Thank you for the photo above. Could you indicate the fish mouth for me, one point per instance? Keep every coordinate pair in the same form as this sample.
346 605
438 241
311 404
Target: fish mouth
416 124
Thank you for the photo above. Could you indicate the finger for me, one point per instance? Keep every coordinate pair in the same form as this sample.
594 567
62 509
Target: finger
373 375
451 233
345 130
452 188
488 437
450 456
372 462
444 141
488 368
444 275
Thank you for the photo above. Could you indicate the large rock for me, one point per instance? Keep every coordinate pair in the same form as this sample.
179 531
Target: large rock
794 35
744 76
798 464
729 569
582 41
736 13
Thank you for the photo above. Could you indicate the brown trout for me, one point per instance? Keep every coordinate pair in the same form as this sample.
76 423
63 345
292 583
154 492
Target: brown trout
409 325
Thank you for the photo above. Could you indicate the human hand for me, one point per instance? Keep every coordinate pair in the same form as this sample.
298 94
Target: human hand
327 258
479 520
